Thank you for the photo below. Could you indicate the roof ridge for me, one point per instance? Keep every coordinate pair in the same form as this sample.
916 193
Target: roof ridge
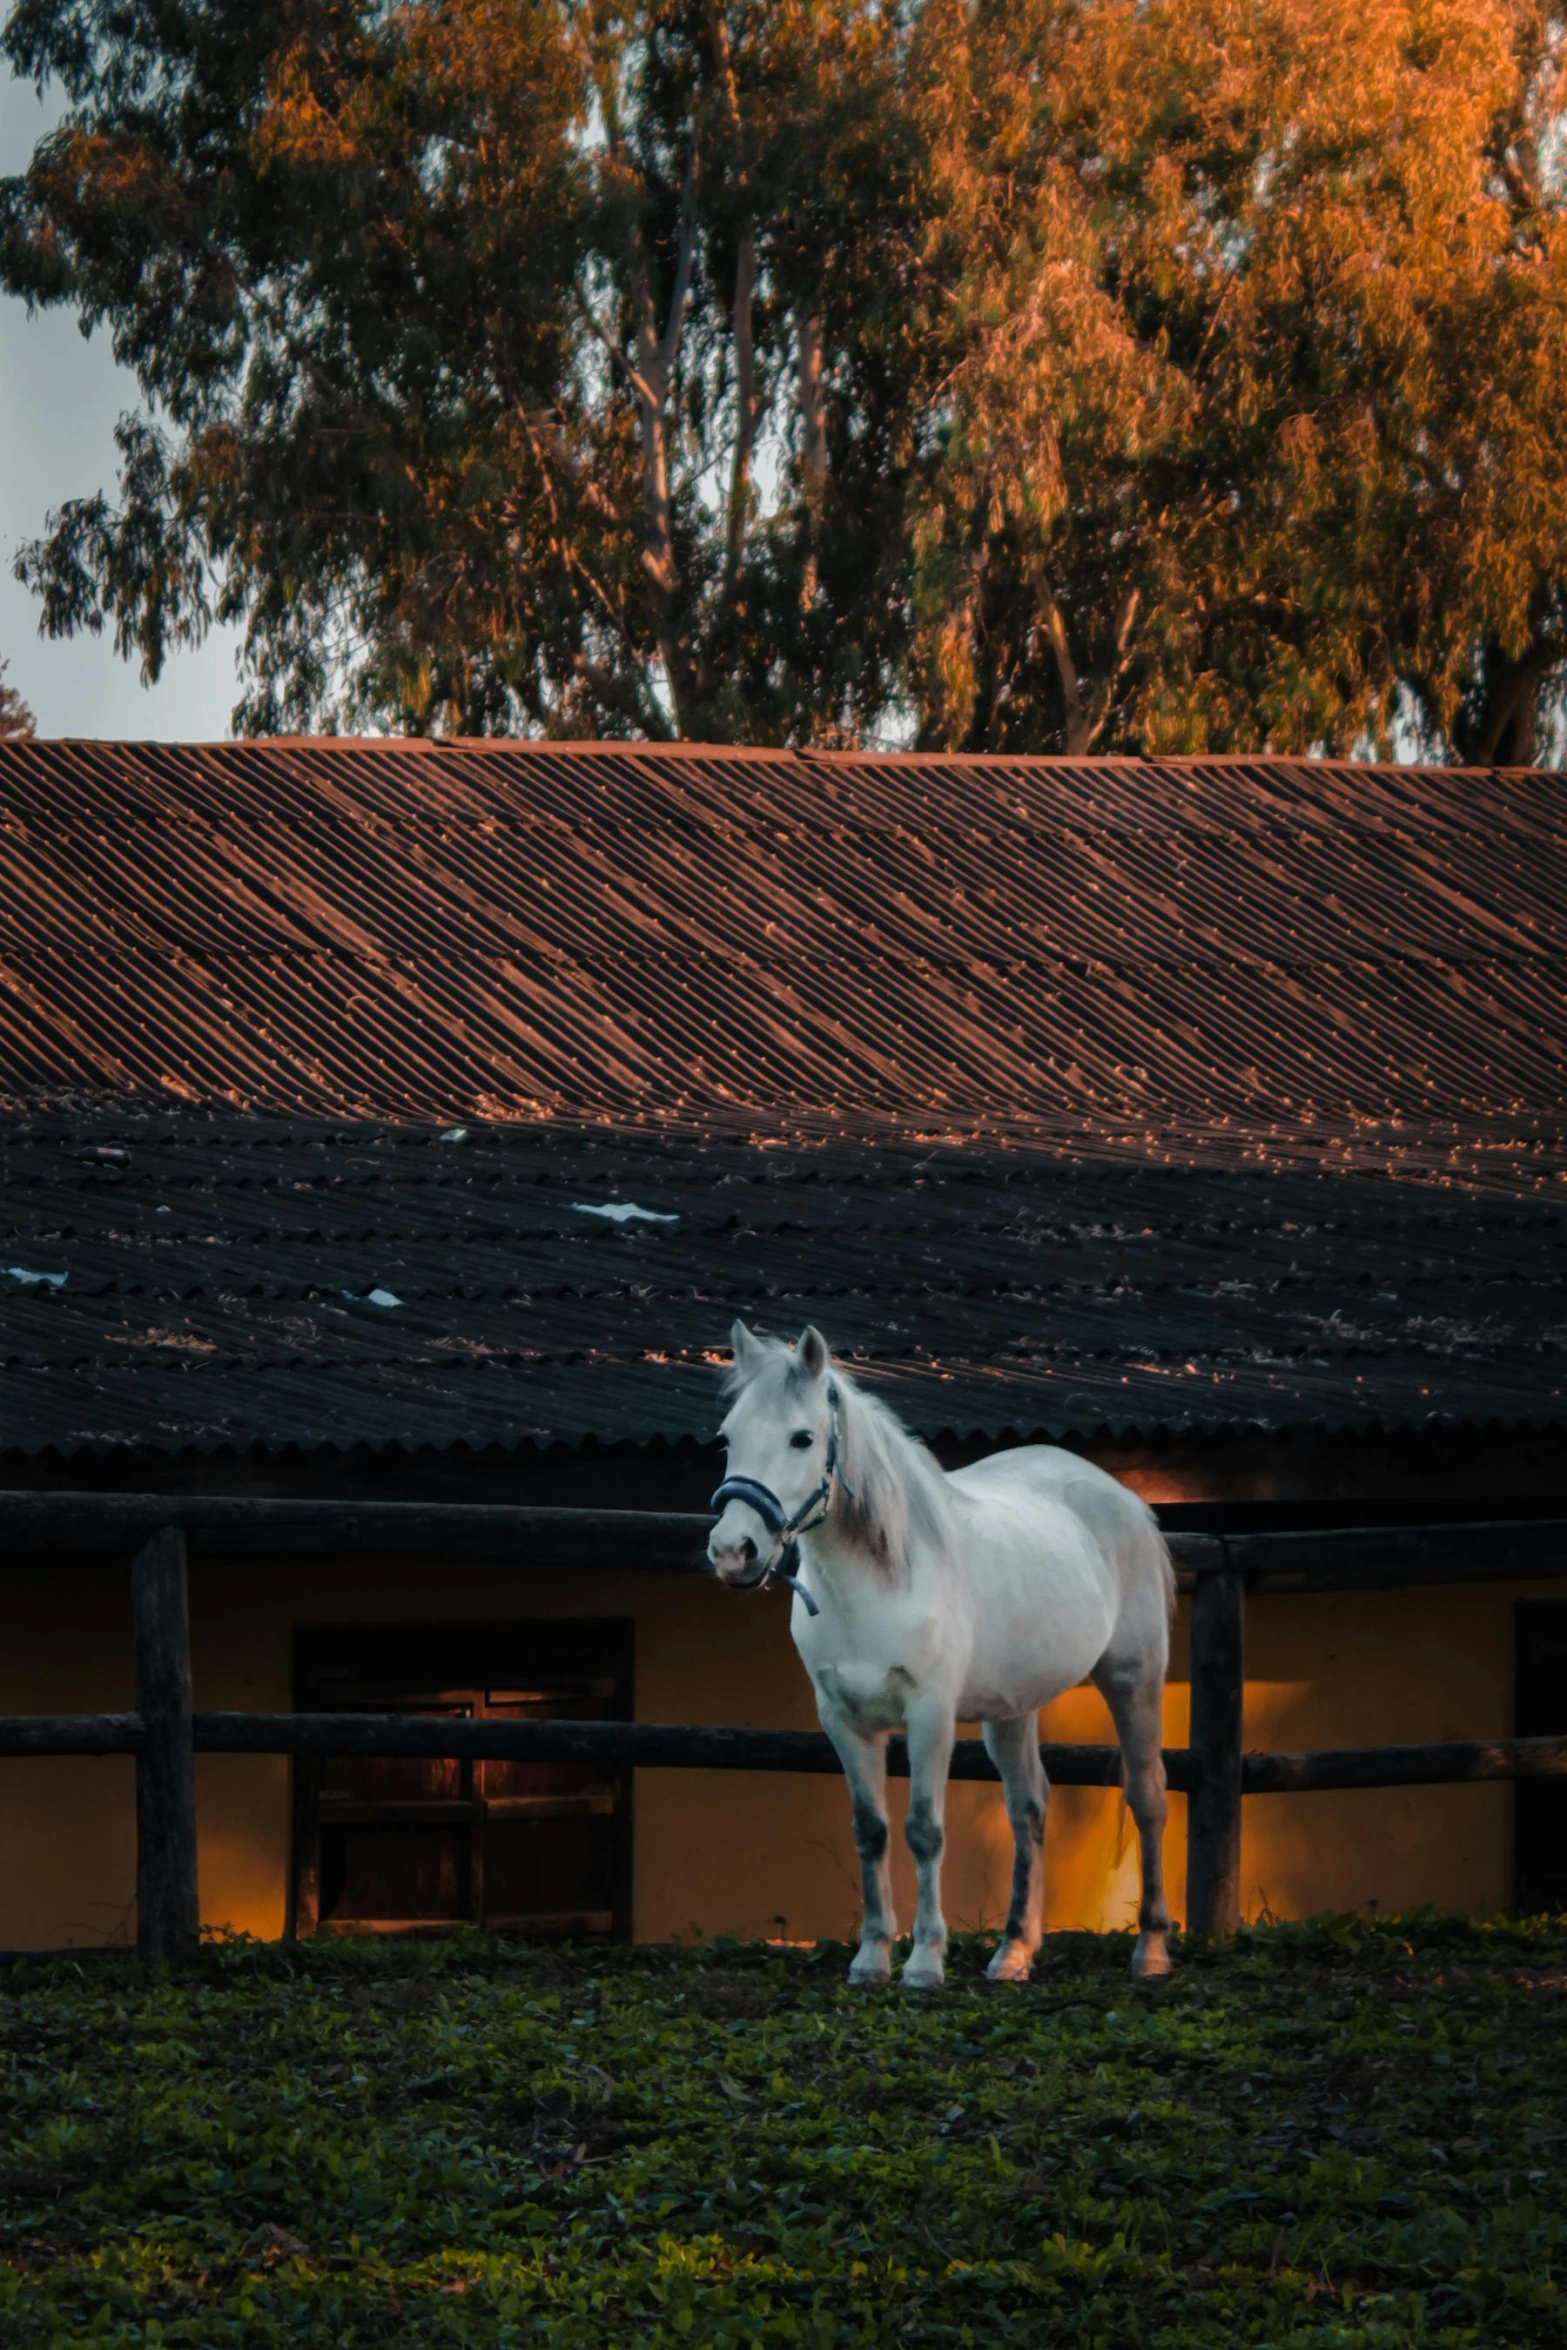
1281 763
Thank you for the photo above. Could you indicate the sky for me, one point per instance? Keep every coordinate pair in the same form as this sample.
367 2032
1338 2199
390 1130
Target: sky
60 397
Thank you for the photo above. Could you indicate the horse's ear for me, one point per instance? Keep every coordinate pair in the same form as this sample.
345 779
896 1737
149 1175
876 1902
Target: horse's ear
748 1349
812 1350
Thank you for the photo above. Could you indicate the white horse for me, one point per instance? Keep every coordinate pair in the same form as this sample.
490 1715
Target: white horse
922 1600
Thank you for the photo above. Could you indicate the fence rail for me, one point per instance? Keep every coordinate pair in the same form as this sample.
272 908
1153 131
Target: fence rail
165 1733
244 1529
680 1746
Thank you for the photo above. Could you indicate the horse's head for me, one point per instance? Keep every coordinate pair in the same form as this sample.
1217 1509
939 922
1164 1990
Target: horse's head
779 1438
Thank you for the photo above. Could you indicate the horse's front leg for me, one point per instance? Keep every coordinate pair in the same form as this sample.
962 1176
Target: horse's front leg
930 1728
864 1763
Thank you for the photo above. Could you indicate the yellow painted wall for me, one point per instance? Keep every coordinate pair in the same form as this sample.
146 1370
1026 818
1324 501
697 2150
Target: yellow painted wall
755 1853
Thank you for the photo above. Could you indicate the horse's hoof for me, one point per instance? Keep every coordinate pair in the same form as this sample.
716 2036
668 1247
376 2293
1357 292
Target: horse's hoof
923 1975
1010 1966
869 1974
1151 1959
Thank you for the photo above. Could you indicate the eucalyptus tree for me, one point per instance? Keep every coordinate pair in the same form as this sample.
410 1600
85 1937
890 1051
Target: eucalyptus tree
16 720
460 326
1257 358
1022 374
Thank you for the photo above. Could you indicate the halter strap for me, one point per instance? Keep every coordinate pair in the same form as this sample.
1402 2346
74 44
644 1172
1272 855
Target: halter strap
784 1567
762 1499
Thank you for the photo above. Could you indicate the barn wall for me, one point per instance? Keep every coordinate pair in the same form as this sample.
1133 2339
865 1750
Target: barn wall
67 1822
733 1853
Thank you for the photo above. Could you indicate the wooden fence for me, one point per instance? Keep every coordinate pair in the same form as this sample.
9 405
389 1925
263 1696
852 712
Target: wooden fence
165 1733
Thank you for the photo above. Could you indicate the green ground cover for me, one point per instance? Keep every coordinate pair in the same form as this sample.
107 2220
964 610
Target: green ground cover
1338 2134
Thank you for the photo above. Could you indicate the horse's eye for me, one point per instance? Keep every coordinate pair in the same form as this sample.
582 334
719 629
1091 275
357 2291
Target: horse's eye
801 1440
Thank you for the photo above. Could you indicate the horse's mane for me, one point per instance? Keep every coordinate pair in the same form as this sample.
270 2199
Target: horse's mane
891 1492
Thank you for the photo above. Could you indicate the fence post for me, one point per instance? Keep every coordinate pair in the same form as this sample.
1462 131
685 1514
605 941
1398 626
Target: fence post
1213 1814
168 1915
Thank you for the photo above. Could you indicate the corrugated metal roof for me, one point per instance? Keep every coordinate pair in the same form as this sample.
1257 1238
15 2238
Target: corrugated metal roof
217 1273
1069 1097
1223 958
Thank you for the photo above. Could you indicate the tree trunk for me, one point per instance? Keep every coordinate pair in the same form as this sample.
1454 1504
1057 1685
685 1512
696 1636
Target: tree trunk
1512 737
652 380
745 403
1504 731
658 551
658 555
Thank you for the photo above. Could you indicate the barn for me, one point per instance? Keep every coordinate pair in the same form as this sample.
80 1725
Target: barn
403 1122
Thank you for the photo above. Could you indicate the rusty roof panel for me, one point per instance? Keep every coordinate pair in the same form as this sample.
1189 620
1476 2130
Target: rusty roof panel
1222 960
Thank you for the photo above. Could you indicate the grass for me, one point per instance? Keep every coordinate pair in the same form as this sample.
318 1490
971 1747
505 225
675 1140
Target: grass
1337 2134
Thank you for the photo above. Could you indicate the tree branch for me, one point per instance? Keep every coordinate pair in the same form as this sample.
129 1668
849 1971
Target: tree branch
1078 734
638 382
813 443
1125 622
685 260
724 68
813 428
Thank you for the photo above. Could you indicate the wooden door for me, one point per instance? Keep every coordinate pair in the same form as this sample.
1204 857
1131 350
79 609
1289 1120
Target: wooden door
399 1846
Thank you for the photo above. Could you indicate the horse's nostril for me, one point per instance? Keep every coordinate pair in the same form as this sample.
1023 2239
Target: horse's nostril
748 1550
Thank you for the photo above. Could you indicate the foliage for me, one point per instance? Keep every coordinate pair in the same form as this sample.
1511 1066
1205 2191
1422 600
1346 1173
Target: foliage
1342 2134
458 316
1086 374
1255 370
16 720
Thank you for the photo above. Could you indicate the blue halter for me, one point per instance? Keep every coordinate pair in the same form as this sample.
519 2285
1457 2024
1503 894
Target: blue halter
784 1566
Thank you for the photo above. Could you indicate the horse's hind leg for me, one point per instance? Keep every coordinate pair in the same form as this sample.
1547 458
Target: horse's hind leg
1014 1749
1135 1696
